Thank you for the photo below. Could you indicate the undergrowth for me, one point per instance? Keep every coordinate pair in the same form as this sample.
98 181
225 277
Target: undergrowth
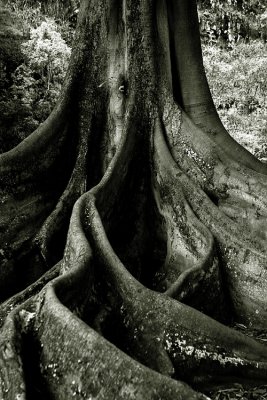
238 84
33 13
30 91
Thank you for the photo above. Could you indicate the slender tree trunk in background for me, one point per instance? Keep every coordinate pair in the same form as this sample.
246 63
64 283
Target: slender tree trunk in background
132 225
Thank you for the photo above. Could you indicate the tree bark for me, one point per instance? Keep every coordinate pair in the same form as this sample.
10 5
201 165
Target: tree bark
132 225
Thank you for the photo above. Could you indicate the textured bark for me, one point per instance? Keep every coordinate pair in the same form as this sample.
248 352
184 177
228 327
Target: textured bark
132 225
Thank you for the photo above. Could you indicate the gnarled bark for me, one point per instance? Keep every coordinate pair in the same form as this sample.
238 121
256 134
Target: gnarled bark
132 224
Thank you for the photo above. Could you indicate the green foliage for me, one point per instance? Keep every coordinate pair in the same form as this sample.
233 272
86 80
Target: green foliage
68 8
236 66
230 21
46 53
36 83
31 16
33 13
238 83
11 37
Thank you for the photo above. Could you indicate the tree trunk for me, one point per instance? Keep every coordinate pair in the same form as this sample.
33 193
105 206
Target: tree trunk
132 224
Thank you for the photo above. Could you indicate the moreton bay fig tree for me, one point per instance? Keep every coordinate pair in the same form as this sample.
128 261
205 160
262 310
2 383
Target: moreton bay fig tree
133 227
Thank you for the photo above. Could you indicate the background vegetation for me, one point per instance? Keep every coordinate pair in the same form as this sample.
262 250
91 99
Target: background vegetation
234 36
36 37
239 86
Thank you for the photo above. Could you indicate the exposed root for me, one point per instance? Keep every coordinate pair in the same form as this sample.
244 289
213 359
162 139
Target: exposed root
242 255
190 84
236 189
191 260
187 336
